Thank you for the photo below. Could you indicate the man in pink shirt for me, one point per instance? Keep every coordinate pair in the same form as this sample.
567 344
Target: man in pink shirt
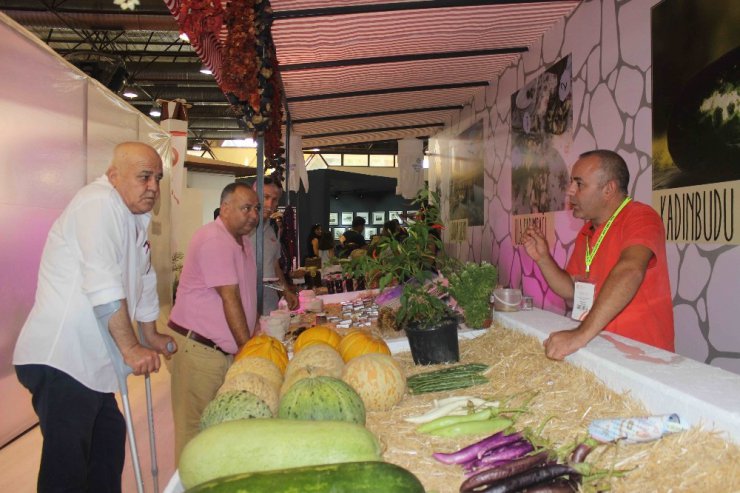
216 308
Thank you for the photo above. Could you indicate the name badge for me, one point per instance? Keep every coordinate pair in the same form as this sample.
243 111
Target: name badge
583 299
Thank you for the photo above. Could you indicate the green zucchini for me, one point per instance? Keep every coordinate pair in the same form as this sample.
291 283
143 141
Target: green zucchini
350 477
253 445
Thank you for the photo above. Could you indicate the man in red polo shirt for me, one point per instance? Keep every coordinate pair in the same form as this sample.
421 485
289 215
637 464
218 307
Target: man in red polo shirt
617 276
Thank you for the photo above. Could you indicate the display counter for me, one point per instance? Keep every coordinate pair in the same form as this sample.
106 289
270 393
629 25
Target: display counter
662 381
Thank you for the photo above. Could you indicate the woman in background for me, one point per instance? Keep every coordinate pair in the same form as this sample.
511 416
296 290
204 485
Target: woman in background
326 248
312 243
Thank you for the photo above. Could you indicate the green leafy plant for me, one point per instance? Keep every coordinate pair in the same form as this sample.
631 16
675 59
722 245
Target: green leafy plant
410 261
471 287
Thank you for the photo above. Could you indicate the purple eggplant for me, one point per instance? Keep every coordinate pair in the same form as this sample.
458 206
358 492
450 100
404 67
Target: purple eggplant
580 453
496 473
511 452
557 486
530 477
478 449
472 468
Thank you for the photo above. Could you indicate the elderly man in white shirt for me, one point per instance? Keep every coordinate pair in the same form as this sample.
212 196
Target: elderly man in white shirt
96 253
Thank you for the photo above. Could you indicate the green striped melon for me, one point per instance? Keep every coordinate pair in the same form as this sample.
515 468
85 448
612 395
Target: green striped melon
301 373
322 399
235 404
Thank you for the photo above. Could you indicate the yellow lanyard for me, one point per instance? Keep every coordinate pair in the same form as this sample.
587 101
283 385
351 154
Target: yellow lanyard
590 254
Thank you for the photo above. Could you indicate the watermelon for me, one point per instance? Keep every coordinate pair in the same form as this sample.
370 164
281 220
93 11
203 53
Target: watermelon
322 399
235 404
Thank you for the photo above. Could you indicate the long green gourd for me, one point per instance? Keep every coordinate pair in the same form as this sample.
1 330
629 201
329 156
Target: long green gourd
252 445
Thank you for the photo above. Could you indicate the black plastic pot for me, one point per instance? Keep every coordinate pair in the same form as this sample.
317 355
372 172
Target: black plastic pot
434 345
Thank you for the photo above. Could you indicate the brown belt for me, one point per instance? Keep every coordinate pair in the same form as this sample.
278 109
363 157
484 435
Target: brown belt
189 334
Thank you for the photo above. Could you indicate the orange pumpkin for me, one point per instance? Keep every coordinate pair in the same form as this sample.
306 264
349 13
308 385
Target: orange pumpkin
319 333
265 347
358 342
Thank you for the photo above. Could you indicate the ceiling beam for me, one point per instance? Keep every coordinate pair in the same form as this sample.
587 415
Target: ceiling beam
376 92
372 130
123 43
370 8
138 53
379 113
100 7
353 62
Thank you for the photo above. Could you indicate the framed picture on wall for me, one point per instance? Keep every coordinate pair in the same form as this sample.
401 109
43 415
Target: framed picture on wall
370 232
347 218
364 215
333 218
394 215
379 217
338 232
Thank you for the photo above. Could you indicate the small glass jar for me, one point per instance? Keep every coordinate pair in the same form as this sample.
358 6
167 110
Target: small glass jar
527 303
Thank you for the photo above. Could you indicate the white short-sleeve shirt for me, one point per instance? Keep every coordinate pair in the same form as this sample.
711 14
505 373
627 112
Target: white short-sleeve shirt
97 251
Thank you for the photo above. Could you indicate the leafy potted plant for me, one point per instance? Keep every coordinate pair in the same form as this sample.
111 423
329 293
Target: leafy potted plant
412 260
471 287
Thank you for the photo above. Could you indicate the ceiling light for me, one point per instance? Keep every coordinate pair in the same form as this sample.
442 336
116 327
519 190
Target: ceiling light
239 143
184 37
129 92
315 149
205 70
155 111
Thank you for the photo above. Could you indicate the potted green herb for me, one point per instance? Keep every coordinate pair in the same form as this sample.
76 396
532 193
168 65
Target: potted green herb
471 287
411 260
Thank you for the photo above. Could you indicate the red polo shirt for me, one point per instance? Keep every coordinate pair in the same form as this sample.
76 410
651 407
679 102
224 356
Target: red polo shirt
648 317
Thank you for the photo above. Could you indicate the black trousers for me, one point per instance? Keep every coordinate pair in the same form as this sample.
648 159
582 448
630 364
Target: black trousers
84 433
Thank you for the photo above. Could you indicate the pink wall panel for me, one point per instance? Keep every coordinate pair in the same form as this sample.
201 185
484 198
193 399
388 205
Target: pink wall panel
42 165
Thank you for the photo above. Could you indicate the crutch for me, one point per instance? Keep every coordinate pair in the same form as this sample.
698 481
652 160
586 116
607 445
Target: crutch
103 314
150 419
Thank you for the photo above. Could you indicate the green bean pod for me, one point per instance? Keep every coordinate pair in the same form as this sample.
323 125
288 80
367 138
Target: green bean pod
445 421
488 426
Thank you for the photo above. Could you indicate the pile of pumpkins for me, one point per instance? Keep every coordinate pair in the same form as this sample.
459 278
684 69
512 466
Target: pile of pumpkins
329 378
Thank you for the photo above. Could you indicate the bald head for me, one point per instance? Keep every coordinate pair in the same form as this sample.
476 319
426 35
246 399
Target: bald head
612 167
135 172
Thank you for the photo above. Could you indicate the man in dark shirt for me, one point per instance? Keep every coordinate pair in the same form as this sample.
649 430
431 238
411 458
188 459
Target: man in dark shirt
353 238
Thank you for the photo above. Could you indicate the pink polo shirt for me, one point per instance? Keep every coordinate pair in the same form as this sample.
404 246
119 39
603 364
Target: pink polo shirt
214 259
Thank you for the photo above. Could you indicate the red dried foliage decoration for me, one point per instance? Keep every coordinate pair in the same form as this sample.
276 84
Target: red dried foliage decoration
249 68
201 16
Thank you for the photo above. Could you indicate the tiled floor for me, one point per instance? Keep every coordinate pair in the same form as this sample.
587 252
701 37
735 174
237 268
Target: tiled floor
19 461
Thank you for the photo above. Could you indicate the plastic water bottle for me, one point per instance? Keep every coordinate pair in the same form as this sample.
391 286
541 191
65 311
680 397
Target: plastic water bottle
635 430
